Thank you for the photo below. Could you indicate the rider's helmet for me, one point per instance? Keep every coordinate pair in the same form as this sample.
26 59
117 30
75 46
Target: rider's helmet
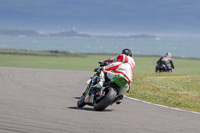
127 52
169 54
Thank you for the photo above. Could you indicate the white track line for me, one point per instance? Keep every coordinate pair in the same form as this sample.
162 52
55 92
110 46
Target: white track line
162 105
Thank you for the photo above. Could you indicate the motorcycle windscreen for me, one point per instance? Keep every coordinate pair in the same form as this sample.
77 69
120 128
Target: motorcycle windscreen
120 81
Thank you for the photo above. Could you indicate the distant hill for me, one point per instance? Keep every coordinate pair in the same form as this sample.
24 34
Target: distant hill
18 32
139 36
70 33
143 36
66 33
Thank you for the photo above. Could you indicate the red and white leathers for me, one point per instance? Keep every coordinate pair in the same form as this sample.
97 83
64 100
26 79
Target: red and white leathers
122 66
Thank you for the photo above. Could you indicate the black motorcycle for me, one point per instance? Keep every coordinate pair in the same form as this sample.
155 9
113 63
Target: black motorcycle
163 68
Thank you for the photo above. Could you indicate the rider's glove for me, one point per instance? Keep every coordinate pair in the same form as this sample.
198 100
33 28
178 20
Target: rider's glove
101 62
99 69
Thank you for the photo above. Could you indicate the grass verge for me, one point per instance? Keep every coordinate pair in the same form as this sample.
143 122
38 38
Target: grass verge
170 89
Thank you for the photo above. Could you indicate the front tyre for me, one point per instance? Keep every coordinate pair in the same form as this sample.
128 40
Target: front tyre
104 102
81 102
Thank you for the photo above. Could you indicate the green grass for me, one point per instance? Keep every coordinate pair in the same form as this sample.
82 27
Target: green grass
38 53
87 63
171 89
179 89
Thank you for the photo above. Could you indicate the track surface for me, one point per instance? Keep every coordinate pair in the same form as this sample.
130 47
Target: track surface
44 101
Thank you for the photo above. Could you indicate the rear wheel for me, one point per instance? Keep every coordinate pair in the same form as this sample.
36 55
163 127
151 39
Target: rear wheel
105 101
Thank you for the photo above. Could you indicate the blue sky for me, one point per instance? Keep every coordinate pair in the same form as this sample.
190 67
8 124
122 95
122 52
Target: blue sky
103 16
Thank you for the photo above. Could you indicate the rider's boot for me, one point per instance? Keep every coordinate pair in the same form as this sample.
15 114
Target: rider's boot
120 99
118 102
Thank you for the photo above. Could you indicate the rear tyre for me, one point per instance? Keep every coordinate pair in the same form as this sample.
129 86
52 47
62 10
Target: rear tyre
104 102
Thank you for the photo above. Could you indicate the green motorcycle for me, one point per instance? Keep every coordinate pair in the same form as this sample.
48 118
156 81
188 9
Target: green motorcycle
109 93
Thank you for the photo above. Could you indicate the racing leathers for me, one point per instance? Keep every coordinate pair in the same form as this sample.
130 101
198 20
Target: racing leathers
121 66
165 63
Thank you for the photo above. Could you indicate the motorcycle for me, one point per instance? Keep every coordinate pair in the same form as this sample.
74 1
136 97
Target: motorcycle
163 68
109 93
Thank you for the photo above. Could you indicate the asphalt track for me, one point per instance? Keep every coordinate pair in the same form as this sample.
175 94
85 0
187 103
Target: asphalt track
44 101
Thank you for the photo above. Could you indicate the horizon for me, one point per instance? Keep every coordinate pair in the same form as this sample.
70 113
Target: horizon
110 33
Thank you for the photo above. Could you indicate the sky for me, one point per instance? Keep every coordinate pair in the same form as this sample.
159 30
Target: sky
103 16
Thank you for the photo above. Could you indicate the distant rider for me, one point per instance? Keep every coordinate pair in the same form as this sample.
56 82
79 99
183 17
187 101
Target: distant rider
123 66
165 63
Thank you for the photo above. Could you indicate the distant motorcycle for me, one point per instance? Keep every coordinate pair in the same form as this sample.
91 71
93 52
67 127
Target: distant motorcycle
163 68
109 94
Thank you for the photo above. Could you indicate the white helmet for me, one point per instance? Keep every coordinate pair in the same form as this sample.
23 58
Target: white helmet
169 54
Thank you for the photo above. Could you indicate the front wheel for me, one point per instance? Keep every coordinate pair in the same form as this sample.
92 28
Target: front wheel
81 102
104 102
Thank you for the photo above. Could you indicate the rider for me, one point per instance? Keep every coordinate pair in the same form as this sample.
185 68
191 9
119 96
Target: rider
123 66
165 61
